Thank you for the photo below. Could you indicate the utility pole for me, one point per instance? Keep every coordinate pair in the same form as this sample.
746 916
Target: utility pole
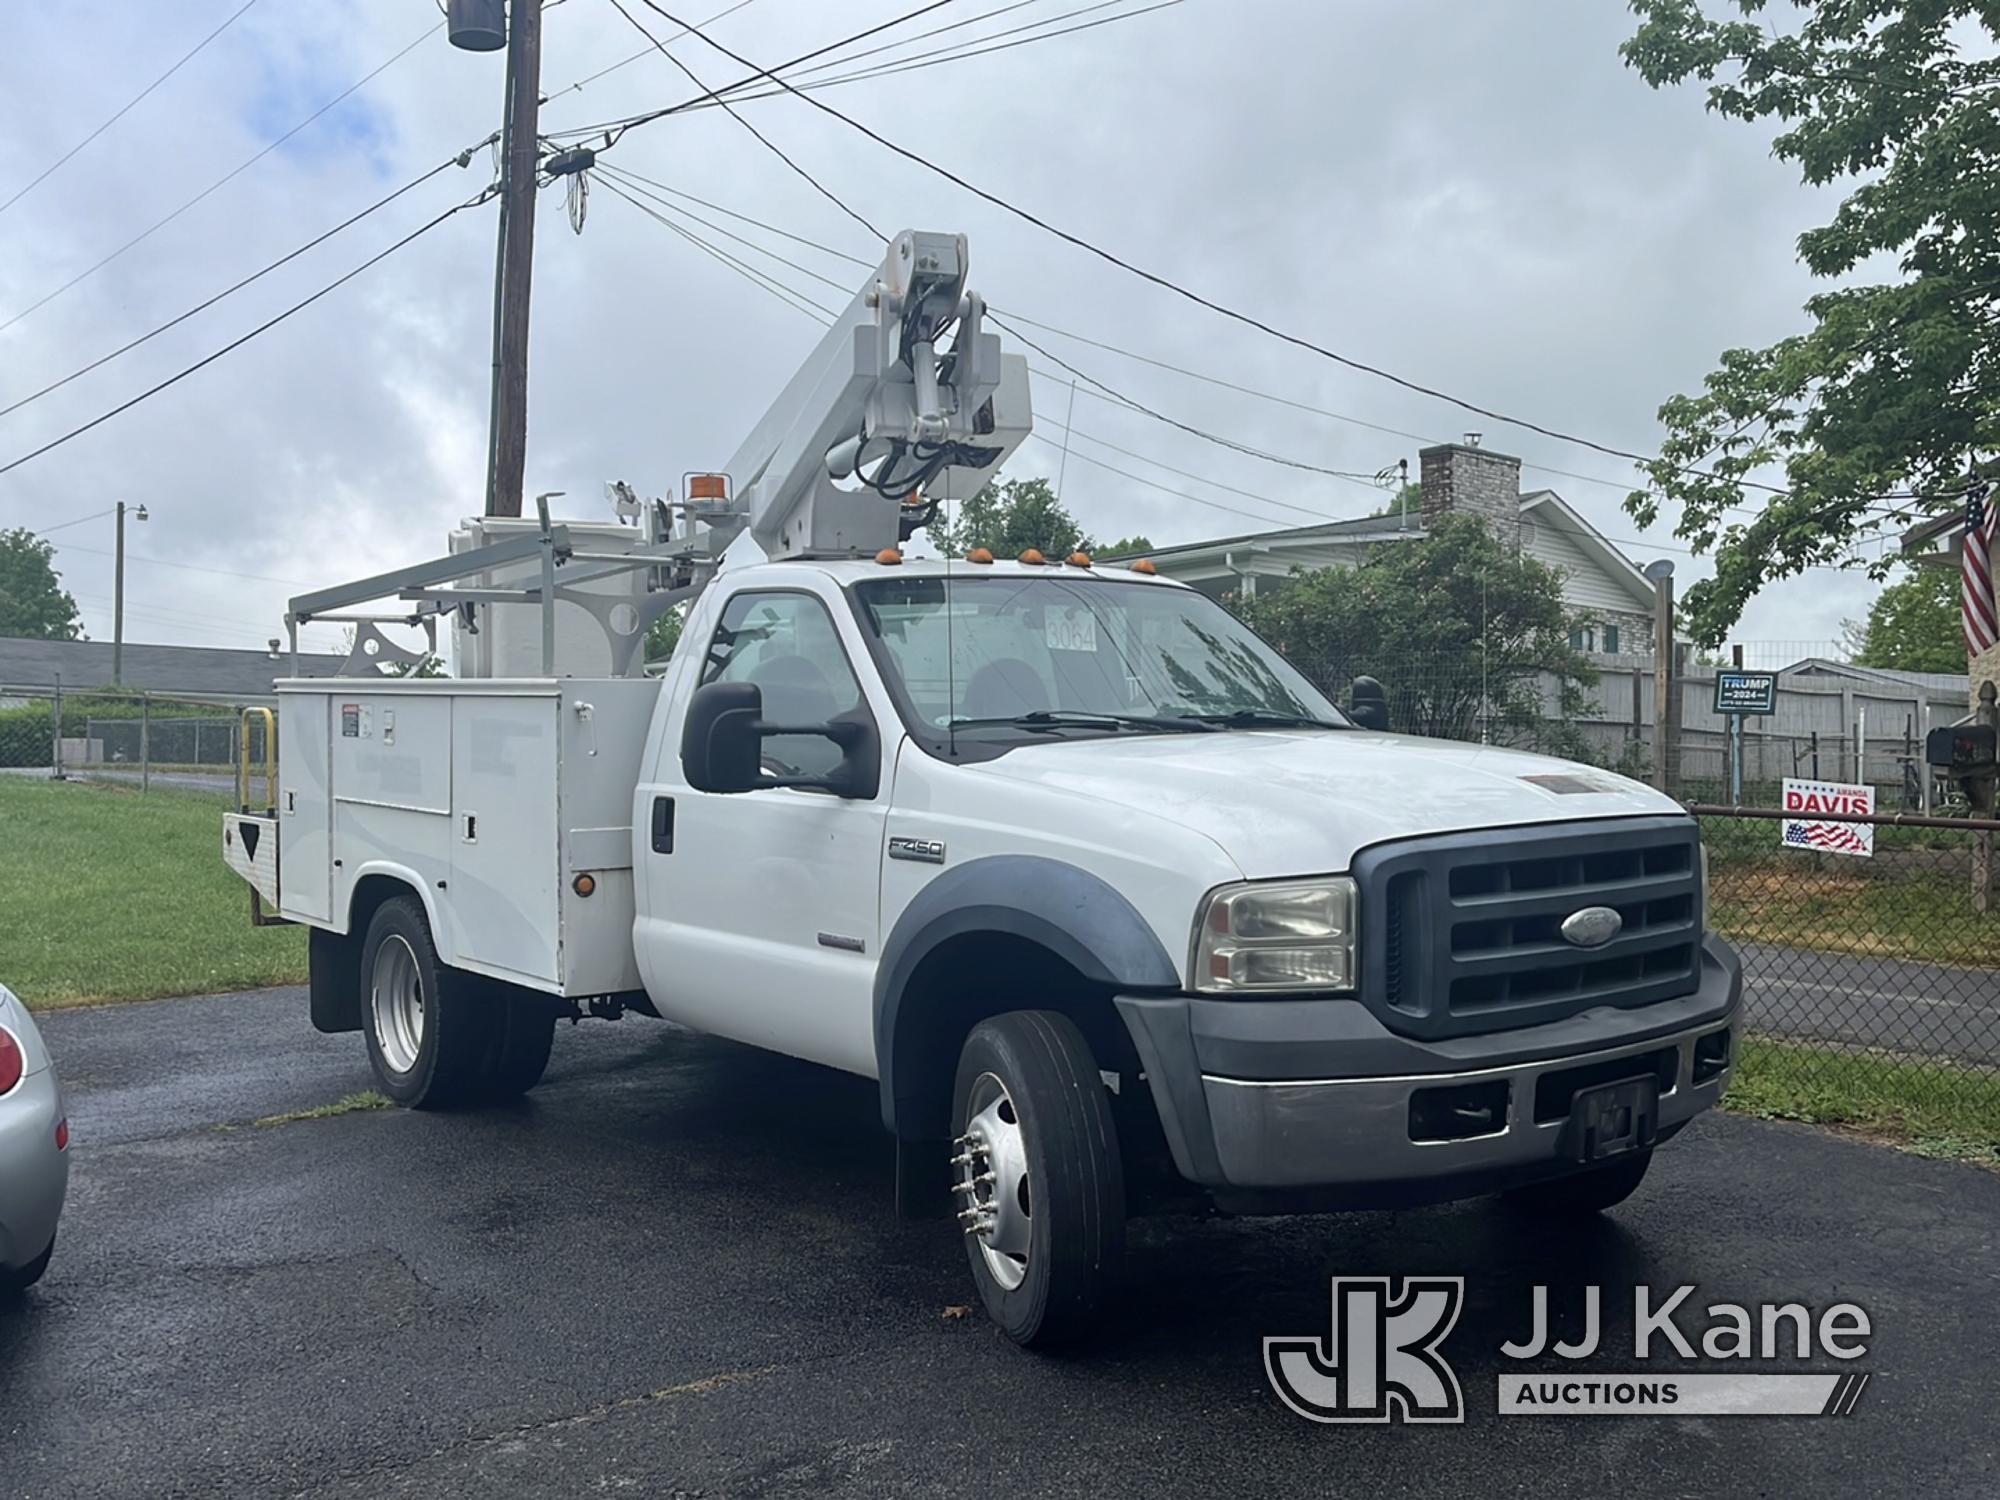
519 153
484 26
1666 691
118 597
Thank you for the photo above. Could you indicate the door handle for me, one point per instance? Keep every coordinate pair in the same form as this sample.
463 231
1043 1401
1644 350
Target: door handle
663 825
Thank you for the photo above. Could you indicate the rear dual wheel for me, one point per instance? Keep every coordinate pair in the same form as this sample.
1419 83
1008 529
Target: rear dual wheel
438 1036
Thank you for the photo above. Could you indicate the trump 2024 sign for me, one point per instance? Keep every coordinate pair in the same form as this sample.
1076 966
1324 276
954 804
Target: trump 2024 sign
1808 826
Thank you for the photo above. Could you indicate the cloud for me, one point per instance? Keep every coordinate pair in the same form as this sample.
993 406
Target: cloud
1481 197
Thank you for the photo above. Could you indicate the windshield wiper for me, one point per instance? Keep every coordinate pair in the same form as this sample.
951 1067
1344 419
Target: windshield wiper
1043 720
1261 718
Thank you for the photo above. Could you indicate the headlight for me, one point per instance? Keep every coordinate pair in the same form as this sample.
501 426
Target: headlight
1292 935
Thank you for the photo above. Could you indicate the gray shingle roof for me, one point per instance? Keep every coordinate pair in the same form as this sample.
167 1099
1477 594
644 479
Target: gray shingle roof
205 670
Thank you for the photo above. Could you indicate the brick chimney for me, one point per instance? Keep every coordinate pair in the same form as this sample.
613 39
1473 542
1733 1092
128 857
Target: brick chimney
1466 477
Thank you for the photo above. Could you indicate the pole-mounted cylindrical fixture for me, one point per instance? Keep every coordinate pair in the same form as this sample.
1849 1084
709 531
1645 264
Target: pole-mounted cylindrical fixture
477 25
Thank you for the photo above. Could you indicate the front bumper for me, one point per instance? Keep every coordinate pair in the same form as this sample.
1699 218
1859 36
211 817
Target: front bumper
1316 1096
34 1175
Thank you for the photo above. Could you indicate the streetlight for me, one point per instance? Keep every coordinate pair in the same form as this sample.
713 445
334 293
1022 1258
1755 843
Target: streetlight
118 599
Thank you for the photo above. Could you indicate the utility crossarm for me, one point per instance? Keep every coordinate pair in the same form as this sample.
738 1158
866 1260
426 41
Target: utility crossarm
876 405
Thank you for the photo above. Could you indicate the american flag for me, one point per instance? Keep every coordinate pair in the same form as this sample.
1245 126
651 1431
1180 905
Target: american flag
1836 836
1976 605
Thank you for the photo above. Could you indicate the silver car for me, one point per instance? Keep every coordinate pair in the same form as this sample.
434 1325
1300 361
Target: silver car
34 1149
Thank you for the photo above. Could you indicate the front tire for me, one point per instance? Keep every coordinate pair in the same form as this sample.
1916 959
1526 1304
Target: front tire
1038 1180
1586 1192
427 1036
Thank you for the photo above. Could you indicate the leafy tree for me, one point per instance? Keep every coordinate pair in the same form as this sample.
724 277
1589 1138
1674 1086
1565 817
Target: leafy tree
1897 383
665 634
1447 622
1913 625
424 666
1010 516
1125 546
33 603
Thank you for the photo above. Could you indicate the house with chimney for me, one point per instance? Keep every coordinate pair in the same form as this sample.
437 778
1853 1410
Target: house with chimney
1611 600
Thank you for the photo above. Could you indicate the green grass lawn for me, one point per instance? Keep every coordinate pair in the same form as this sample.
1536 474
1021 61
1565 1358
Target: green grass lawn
110 894
1922 1105
1920 914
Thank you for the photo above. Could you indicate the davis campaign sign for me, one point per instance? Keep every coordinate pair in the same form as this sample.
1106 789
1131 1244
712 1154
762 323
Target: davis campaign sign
1802 830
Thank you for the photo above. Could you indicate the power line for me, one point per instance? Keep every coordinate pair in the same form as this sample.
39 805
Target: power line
1198 298
960 52
123 110
238 343
825 316
1069 333
161 562
615 128
1119 398
225 178
794 300
741 217
96 515
1265 520
1124 400
786 294
627 62
855 57
763 140
238 286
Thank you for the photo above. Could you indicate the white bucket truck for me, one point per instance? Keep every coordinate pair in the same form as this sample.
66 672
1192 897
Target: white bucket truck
1118 908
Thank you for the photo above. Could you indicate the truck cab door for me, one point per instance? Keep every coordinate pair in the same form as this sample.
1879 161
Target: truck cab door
759 914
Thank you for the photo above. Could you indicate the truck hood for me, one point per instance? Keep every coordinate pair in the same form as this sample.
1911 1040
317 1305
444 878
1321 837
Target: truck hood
1284 802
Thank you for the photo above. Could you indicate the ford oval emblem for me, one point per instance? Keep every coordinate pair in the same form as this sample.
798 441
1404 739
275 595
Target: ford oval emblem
1592 927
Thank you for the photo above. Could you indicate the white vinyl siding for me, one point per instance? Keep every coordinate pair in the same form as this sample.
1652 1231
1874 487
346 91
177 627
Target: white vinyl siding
1586 588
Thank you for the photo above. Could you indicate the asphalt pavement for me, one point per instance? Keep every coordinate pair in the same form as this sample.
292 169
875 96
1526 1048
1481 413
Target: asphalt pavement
1921 1009
674 1270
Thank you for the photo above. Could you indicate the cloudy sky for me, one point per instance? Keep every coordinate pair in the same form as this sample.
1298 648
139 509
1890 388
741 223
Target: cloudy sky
1478 196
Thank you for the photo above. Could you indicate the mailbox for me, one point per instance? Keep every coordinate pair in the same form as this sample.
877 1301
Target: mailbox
1962 749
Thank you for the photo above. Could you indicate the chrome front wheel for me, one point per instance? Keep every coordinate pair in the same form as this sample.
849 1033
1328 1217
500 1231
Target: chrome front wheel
1037 1174
996 1197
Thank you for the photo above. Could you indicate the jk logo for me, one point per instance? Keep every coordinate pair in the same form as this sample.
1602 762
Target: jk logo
1380 1361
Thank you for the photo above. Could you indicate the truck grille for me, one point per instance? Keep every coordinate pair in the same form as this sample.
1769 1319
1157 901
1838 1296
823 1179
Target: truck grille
1462 934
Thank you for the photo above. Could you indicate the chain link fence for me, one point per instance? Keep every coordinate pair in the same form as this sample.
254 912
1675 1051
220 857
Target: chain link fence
142 740
1871 962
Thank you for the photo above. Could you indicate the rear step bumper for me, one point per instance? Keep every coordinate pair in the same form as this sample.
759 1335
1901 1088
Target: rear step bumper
1471 1115
250 848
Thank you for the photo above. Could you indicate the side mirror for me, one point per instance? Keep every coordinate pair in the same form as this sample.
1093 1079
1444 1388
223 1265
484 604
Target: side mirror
1367 704
722 745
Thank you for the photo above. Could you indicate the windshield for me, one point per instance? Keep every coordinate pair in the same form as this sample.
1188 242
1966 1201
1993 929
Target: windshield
1017 657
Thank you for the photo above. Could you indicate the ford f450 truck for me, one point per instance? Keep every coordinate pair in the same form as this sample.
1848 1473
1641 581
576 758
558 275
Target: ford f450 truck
1118 908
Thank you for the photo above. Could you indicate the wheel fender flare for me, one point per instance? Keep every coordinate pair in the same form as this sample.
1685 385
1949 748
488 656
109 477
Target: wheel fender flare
1074 914
402 875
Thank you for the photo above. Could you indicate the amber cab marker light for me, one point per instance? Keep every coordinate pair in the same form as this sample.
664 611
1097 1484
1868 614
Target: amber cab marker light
1144 565
708 486
888 557
1033 558
583 885
1079 559
979 555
